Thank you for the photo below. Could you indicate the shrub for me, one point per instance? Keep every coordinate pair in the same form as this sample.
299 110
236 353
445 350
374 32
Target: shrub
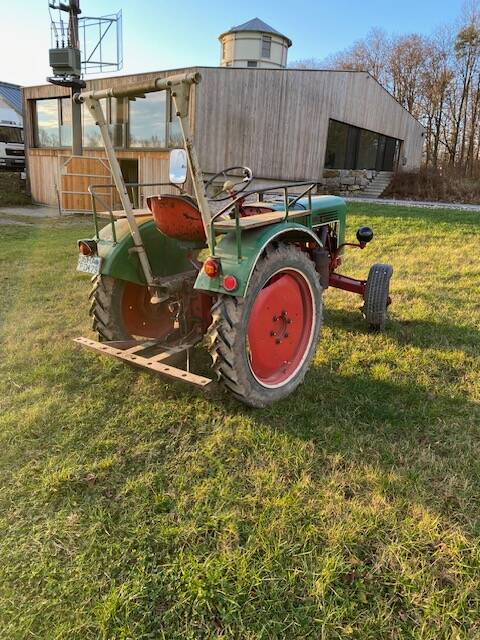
12 189
446 185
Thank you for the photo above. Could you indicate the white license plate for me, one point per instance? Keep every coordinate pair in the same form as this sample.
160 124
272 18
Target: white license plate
89 264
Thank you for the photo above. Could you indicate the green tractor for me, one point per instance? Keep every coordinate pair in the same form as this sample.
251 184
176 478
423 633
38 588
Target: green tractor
240 269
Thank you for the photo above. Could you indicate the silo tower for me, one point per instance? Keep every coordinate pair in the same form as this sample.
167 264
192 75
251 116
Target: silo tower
254 44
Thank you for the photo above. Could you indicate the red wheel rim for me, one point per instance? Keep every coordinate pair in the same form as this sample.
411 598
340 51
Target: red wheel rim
280 328
141 317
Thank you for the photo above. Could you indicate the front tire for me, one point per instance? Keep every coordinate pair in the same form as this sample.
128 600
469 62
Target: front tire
262 344
376 298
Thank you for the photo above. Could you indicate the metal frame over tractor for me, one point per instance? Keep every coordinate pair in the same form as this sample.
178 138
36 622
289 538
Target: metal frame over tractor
239 269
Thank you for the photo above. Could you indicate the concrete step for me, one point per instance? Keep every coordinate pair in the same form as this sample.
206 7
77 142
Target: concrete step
378 185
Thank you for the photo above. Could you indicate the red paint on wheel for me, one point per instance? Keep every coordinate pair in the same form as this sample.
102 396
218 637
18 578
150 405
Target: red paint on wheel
280 327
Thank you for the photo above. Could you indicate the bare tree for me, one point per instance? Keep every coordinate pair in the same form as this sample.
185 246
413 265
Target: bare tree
308 63
368 54
407 62
436 78
435 82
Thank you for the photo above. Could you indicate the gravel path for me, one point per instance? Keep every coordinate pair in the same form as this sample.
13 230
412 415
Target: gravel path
7 221
418 203
32 211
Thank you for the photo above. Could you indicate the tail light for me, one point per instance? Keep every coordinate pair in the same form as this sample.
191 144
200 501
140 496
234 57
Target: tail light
211 267
230 283
87 247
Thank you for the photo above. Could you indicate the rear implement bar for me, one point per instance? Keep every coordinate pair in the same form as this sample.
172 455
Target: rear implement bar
131 351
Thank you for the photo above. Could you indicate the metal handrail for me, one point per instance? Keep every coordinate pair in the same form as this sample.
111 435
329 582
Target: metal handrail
233 204
95 196
288 204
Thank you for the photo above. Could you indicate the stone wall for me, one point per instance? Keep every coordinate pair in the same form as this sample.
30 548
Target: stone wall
344 182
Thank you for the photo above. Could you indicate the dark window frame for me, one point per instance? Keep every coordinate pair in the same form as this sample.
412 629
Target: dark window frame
266 46
354 146
36 141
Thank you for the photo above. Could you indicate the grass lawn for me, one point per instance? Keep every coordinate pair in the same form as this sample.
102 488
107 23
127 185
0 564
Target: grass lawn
132 507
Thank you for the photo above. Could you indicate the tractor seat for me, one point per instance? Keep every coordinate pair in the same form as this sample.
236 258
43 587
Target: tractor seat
177 217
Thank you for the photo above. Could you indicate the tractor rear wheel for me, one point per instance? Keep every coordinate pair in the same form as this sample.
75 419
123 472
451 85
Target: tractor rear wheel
376 298
122 310
262 344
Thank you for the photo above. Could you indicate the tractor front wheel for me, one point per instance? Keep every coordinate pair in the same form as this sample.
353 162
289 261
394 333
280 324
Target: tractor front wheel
262 344
376 298
122 310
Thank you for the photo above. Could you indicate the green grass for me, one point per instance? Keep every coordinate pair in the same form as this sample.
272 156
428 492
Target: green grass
132 507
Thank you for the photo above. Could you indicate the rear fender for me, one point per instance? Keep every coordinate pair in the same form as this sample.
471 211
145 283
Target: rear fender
165 255
254 243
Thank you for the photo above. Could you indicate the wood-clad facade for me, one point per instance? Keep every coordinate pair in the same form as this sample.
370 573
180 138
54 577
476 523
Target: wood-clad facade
275 121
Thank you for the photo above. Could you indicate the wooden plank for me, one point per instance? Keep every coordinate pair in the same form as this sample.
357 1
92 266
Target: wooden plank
151 364
259 220
120 213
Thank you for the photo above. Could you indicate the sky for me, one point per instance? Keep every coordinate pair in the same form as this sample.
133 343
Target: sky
160 34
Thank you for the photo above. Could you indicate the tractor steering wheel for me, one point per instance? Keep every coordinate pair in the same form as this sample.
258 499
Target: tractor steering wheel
228 187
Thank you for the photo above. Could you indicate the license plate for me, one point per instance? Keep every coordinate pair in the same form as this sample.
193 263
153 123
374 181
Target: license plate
89 264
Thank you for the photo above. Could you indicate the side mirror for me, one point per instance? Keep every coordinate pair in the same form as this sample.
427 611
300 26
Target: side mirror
364 235
177 168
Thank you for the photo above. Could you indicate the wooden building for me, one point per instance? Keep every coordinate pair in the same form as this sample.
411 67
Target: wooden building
286 124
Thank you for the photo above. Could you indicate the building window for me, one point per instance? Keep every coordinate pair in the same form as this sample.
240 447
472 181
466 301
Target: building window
266 46
335 157
91 136
251 63
47 132
117 119
65 120
224 50
175 138
367 149
147 121
350 147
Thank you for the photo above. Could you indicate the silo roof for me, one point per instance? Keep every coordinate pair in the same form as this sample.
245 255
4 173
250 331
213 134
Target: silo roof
257 25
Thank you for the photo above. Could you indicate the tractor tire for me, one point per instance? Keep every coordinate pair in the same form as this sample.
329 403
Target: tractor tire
376 300
262 344
121 310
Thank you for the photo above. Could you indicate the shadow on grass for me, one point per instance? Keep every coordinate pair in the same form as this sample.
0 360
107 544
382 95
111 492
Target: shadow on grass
418 333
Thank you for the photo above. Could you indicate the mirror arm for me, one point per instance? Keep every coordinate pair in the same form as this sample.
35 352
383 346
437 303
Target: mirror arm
180 98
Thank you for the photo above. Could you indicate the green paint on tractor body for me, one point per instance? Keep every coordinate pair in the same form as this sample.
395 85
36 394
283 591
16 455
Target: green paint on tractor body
166 256
325 209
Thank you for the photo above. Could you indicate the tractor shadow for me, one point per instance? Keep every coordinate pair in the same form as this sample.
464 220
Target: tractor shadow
417 333
420 443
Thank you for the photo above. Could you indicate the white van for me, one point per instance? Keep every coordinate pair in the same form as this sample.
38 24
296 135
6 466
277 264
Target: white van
12 149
